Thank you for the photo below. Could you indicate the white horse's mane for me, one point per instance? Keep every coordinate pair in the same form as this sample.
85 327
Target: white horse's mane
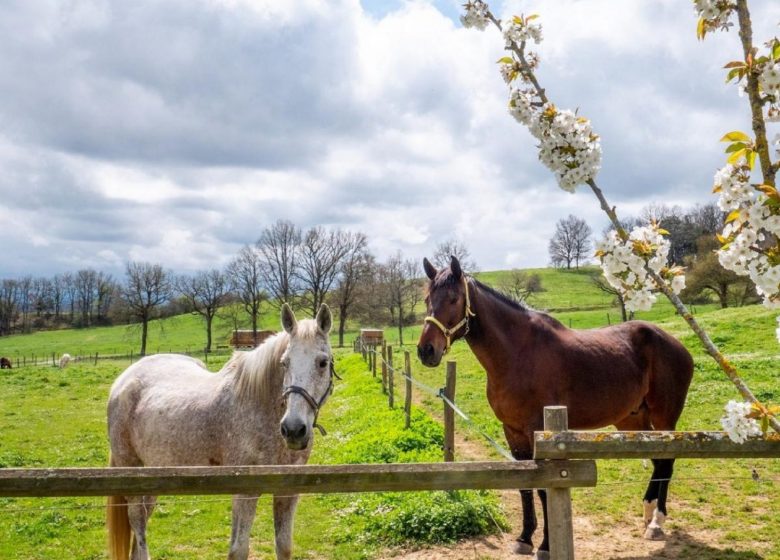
256 370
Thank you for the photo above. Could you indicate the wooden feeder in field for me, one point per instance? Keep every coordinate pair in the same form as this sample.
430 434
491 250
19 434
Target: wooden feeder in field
372 337
246 339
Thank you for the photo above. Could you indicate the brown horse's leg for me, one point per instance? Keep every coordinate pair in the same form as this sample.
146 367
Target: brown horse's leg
521 448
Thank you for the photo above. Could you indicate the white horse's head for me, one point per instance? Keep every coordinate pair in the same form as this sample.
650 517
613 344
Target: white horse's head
308 374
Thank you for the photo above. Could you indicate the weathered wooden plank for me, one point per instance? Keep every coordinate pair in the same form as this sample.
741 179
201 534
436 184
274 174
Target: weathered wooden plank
559 512
449 414
288 479
655 445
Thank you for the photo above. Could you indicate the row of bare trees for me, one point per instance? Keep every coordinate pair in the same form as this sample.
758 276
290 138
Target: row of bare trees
286 264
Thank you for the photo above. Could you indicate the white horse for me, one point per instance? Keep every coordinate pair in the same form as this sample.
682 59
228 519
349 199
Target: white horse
64 359
168 410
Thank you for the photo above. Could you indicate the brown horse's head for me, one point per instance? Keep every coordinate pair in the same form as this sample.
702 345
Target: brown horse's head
448 311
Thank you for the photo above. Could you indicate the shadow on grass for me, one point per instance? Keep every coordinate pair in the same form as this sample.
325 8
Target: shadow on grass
683 546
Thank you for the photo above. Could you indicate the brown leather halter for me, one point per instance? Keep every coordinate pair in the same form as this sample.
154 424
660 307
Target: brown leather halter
467 314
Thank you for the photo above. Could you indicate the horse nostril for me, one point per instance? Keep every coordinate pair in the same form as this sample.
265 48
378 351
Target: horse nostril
294 431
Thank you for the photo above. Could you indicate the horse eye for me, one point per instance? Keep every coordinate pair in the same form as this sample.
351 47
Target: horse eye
323 364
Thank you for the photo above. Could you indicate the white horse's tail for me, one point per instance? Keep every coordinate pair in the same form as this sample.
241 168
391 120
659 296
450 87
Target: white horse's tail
118 525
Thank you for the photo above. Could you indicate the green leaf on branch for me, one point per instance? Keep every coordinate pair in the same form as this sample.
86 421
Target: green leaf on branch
735 64
751 158
736 146
733 158
735 136
733 215
776 50
768 190
505 60
701 29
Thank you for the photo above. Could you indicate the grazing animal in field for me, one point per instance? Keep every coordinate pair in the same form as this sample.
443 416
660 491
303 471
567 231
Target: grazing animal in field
168 410
632 375
64 359
5 363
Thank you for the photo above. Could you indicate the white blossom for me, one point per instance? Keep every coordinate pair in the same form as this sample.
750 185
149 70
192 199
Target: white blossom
715 13
736 423
769 79
476 15
518 30
625 269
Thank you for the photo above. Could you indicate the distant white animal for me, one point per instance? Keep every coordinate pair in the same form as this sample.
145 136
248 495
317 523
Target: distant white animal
64 359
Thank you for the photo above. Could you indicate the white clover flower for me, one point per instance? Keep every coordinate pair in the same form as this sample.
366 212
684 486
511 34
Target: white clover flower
777 330
476 15
736 423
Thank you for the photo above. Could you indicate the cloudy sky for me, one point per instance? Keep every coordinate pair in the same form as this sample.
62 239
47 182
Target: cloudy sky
173 131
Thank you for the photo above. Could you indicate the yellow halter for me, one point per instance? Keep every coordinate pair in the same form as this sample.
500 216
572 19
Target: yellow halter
468 313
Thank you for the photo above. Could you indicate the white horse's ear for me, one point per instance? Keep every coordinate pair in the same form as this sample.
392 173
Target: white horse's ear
430 270
324 318
288 318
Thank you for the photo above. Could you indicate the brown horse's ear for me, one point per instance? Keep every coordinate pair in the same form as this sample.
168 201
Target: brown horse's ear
430 270
288 319
457 272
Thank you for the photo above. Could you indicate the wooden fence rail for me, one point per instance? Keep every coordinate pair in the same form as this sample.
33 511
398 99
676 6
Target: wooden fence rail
290 479
651 445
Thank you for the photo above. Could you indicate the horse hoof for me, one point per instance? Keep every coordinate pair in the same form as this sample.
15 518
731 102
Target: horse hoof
654 533
542 555
524 548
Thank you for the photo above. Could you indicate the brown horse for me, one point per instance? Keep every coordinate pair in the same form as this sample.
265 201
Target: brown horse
632 375
5 363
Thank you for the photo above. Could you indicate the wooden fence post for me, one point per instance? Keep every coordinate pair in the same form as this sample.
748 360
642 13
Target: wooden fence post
384 367
449 414
390 378
53 361
559 515
373 365
365 354
96 358
408 397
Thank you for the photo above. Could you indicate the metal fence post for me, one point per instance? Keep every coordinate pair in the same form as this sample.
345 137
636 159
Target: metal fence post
559 514
449 414
408 384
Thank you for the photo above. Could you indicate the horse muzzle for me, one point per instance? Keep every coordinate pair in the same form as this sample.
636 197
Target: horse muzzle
428 355
295 433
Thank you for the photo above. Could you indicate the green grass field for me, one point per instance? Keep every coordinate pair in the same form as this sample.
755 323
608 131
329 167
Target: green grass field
56 418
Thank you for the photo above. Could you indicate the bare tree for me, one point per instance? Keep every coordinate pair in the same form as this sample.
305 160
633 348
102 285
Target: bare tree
105 290
86 288
58 295
278 246
205 292
25 300
355 269
69 282
570 242
403 290
245 273
601 283
147 287
9 305
452 247
519 284
319 263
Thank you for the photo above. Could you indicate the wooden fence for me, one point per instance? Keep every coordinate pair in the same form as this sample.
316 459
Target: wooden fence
563 460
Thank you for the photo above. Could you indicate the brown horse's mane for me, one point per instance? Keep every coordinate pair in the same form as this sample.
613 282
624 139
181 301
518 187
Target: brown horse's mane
504 298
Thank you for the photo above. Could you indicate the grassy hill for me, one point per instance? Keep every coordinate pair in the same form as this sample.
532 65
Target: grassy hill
36 429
